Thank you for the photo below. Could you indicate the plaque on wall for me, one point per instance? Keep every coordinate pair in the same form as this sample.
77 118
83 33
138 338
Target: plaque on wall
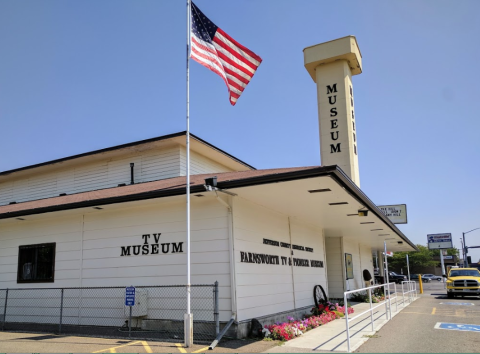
349 265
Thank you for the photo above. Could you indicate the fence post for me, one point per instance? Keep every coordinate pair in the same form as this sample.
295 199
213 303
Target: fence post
346 320
386 302
389 300
396 297
61 313
5 311
216 312
371 310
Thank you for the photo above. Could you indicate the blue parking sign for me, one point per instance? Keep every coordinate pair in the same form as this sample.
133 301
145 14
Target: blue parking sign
458 327
130 296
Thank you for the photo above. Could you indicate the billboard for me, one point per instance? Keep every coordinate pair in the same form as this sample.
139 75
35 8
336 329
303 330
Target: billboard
439 241
396 213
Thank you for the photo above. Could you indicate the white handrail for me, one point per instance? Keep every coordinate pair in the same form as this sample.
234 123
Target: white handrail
387 302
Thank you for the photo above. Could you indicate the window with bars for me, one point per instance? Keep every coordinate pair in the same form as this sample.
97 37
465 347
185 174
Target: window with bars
36 263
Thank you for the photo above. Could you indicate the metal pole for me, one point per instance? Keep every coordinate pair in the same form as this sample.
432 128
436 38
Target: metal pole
5 310
408 268
443 268
346 320
61 314
216 313
396 297
386 305
188 318
388 280
371 310
465 251
130 323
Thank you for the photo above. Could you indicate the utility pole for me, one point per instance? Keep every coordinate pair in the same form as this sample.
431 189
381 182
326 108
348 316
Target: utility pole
463 250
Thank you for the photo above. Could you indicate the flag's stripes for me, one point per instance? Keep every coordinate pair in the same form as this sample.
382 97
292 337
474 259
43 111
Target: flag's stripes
237 49
216 50
204 54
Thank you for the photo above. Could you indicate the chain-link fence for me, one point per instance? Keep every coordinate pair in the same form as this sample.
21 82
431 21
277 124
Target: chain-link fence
158 311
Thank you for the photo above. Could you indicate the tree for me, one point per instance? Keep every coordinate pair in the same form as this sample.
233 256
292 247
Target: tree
418 260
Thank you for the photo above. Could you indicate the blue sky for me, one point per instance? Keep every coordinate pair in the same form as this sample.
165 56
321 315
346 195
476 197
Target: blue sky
77 76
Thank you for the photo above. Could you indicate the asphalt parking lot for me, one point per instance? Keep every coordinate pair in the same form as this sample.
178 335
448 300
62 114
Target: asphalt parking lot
17 342
432 324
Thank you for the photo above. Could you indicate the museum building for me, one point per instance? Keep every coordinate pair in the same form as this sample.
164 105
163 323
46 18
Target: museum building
116 216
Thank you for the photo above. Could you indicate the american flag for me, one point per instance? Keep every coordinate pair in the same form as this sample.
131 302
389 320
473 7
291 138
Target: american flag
216 50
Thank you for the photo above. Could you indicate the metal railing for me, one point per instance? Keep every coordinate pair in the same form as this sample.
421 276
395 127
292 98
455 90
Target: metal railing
102 311
409 289
387 302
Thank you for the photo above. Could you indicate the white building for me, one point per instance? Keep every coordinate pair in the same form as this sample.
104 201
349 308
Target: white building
94 220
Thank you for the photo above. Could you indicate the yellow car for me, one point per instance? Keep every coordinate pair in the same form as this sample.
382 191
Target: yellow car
463 282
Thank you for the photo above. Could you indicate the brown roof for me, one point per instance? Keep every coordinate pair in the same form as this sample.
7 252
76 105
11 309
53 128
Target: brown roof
155 189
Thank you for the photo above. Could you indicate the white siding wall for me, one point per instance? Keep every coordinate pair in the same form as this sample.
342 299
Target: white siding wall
150 165
336 269
305 278
65 231
199 164
366 259
100 235
264 289
350 246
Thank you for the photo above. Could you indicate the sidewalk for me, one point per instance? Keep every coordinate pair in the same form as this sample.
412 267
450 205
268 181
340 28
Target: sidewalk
332 337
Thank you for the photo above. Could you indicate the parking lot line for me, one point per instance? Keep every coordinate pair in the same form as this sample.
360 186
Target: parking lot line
433 310
147 347
203 350
179 346
112 349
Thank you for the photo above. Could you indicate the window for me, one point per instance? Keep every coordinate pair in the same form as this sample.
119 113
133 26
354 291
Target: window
36 263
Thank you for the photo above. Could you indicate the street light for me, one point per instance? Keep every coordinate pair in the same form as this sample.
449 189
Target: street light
465 248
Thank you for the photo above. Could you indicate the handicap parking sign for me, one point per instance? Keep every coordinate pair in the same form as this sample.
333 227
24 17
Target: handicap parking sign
458 327
130 296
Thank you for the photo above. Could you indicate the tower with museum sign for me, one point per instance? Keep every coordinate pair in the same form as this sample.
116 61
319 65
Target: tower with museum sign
331 66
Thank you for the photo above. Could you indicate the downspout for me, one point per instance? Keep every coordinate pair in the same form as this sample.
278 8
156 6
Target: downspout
292 268
233 294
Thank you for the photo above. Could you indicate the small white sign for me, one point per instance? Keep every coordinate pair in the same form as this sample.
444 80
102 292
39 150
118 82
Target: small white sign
439 241
396 213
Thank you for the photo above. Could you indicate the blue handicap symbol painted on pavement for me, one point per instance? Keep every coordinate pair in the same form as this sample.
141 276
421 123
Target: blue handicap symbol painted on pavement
458 327
457 303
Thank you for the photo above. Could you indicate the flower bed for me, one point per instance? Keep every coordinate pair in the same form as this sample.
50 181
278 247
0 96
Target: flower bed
293 328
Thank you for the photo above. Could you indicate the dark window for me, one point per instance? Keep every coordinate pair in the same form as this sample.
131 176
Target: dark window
36 263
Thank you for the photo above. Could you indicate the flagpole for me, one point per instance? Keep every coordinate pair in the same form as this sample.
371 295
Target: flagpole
188 317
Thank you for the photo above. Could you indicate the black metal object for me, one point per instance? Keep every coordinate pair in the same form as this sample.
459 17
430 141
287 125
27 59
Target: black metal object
319 295
211 181
132 167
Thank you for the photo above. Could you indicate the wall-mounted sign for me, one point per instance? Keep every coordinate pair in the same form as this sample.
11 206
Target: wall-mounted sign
439 241
349 265
261 258
266 241
151 248
396 213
